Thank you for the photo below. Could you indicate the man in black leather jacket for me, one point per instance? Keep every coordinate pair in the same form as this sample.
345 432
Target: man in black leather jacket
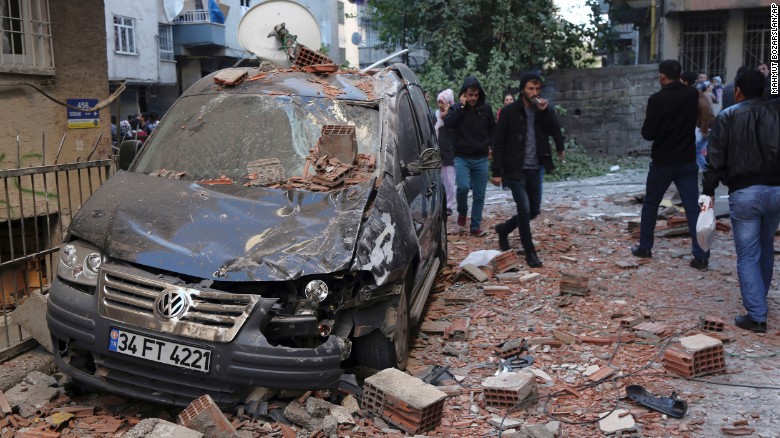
744 154
520 148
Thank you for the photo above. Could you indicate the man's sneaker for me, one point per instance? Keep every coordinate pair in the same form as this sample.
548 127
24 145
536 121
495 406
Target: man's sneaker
503 238
533 260
461 220
643 253
745 322
699 263
478 232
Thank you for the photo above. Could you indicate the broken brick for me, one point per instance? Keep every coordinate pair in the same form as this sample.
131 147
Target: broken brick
506 261
459 329
406 401
205 416
695 356
566 338
601 374
574 284
473 272
711 323
508 390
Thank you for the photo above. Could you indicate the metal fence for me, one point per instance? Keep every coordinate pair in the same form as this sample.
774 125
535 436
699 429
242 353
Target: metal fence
36 206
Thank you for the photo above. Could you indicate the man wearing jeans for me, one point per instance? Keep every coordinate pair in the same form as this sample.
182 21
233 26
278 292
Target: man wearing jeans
472 122
744 154
670 123
521 148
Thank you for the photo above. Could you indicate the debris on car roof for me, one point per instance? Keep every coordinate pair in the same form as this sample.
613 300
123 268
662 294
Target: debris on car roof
230 76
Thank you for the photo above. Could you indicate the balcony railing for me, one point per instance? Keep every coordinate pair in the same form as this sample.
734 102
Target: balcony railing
194 16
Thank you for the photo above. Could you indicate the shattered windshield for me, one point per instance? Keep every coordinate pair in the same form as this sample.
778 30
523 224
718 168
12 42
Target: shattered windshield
243 138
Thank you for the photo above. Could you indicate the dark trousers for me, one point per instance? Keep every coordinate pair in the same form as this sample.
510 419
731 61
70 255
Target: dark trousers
527 193
659 178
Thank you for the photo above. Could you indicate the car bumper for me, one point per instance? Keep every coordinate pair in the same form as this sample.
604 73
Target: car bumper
81 336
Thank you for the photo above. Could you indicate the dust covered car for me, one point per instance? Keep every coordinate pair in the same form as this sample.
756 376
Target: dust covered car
267 234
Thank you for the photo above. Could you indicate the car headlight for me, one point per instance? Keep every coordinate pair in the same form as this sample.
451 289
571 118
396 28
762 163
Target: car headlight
79 262
316 290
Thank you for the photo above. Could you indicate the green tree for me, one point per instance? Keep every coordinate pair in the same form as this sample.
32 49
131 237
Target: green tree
489 39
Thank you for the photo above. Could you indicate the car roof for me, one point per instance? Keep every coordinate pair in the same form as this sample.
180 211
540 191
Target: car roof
343 84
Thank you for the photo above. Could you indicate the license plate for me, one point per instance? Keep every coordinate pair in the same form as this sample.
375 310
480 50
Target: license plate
158 350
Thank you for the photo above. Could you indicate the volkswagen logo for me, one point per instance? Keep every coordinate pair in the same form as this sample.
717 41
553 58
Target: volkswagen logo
171 303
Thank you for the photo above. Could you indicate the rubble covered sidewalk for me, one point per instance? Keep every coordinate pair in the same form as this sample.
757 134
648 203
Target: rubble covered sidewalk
546 352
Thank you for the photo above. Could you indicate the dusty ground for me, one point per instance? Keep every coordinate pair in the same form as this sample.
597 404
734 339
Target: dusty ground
591 217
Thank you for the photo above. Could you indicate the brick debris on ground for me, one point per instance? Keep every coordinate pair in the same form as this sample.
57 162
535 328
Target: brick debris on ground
617 321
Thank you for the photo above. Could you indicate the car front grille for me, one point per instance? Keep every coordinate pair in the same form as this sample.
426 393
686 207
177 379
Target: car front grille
129 295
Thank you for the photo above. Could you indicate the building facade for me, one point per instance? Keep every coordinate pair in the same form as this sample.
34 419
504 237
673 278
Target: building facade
715 37
58 48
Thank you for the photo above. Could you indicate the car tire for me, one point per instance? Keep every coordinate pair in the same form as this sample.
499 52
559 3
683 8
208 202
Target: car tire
442 250
377 351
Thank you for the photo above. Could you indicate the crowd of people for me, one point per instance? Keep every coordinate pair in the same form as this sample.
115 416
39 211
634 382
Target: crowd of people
135 127
514 143
727 133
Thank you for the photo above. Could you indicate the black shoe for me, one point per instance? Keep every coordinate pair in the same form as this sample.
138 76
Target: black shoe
643 253
744 322
503 238
533 260
699 263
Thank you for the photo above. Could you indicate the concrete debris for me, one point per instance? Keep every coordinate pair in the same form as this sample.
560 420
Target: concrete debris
32 394
31 316
617 420
297 413
157 428
505 423
265 172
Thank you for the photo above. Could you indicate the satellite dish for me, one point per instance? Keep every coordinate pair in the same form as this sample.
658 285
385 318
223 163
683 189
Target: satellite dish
357 38
259 21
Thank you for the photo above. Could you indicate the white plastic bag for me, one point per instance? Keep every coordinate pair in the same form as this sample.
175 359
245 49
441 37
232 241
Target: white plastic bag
705 226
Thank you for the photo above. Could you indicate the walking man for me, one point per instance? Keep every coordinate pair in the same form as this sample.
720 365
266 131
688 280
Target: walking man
472 122
521 148
744 154
670 123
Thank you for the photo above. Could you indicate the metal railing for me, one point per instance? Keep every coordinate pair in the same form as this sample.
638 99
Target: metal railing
194 16
36 206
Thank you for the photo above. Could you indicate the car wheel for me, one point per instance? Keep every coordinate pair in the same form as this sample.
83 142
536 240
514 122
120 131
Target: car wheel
377 351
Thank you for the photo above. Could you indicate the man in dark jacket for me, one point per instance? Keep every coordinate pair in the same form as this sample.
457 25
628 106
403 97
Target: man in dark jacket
670 123
728 90
520 148
472 123
744 154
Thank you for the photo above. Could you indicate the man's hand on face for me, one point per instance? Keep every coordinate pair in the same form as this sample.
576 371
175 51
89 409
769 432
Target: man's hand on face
541 104
496 180
463 99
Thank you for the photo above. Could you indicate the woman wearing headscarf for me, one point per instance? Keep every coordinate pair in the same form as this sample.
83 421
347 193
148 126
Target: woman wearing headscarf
446 137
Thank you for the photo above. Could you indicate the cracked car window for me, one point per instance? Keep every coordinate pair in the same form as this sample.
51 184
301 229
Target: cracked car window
212 136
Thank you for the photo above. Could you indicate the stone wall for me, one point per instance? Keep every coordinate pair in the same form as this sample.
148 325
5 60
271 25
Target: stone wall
605 107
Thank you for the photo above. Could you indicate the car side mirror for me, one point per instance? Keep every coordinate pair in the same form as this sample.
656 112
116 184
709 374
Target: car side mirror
127 152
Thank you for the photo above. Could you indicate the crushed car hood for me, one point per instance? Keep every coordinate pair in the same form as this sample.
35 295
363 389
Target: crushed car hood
226 232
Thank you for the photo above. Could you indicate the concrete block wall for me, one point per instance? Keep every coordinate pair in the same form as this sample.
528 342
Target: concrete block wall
605 107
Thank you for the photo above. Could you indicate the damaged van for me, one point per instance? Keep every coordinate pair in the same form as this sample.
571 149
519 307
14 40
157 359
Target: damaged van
276 227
